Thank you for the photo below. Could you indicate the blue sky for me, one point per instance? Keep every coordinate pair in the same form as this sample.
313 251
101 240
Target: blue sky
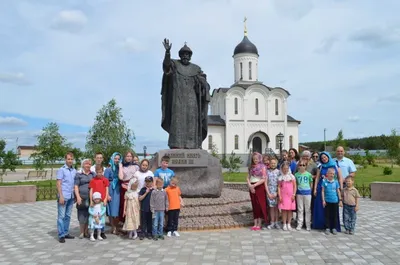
62 60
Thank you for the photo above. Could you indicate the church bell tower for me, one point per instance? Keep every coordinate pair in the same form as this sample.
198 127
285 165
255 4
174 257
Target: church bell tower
245 58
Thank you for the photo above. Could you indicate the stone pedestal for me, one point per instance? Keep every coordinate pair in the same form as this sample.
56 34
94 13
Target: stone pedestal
199 173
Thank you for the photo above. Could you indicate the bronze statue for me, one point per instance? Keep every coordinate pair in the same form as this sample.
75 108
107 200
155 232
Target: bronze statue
185 95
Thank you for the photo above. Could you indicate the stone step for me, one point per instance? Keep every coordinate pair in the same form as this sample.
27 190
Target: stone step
228 196
216 210
216 222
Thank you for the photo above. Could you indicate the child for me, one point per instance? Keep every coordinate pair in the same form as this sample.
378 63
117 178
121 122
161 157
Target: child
158 205
145 212
304 182
256 183
164 172
97 216
132 209
99 184
286 193
272 192
330 198
143 172
350 206
175 203
266 160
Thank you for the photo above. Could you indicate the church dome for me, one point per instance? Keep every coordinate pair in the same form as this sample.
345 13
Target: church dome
245 46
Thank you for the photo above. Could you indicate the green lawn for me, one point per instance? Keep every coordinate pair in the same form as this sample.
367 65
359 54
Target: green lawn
364 176
30 166
44 183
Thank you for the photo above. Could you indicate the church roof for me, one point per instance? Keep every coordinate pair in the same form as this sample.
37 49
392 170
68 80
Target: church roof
245 86
245 46
215 120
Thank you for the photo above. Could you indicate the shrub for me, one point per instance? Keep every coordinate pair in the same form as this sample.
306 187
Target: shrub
387 171
375 165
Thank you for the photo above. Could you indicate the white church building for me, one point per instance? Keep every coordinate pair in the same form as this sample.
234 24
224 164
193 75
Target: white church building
248 115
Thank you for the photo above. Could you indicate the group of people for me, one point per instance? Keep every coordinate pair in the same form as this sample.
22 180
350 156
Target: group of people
314 185
130 194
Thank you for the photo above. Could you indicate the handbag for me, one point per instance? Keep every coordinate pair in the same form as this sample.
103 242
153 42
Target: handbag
84 205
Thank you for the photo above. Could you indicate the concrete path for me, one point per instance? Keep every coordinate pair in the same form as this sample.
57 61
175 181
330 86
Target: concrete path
28 231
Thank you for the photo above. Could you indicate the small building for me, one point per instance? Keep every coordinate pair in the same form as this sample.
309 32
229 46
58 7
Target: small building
248 116
25 151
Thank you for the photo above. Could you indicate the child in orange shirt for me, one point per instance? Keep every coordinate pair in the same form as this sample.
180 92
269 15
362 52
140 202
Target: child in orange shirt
175 203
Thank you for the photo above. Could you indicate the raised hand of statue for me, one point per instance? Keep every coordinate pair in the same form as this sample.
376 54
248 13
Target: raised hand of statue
167 45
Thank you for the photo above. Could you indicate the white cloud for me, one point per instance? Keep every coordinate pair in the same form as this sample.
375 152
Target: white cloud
14 78
131 45
353 118
71 21
12 121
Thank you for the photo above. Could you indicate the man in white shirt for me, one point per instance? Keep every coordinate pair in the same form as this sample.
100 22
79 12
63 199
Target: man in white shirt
98 161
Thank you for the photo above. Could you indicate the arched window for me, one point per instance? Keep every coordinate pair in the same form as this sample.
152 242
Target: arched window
277 142
236 142
236 106
250 71
241 71
276 107
290 141
256 103
210 142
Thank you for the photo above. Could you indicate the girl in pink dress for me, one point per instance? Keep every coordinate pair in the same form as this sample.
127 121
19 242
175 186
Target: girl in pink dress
287 194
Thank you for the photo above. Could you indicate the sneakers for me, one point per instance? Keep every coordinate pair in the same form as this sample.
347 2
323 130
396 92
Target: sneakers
285 228
61 240
175 233
351 232
334 231
81 236
169 234
271 226
298 228
347 232
308 229
289 227
99 238
327 231
277 226
103 235
92 238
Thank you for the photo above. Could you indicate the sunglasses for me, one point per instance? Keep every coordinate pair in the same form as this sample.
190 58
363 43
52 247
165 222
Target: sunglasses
302 165
315 156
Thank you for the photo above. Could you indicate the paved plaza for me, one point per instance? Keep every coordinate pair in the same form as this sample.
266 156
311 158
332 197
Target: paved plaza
28 236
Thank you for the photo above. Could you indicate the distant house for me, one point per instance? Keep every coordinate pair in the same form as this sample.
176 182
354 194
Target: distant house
25 151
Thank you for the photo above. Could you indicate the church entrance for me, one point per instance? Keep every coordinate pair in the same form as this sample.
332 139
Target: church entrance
257 145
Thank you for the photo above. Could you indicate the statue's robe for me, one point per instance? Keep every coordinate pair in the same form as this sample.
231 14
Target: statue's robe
185 95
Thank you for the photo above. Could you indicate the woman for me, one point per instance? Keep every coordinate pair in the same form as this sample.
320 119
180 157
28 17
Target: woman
256 183
143 172
318 218
293 158
82 179
114 190
315 158
127 170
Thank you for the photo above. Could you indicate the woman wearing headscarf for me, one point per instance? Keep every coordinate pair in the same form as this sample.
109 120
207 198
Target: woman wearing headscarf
81 188
127 170
112 173
318 218
256 182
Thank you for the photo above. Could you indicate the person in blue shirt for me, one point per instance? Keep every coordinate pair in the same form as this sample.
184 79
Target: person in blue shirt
345 164
164 172
65 188
331 199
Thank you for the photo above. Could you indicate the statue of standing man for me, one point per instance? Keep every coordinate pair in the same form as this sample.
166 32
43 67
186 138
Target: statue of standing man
185 96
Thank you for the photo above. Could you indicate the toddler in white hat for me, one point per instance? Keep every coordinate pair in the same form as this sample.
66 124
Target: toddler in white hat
97 218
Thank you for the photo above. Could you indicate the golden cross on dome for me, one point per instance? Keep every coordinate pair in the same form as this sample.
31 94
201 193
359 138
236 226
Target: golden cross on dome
245 26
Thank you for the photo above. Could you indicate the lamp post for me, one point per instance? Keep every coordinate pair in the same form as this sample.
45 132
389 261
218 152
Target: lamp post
324 139
280 140
144 151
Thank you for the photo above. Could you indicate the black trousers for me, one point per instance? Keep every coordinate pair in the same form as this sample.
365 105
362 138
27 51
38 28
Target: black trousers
173 217
331 215
146 222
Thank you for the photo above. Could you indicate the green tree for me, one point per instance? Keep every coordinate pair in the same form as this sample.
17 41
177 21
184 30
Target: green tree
78 156
109 133
8 160
339 141
214 150
51 147
392 146
232 163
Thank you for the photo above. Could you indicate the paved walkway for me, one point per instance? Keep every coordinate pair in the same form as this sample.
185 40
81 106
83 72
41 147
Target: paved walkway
27 236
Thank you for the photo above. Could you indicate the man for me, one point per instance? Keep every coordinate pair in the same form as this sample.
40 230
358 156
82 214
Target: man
345 164
98 161
65 187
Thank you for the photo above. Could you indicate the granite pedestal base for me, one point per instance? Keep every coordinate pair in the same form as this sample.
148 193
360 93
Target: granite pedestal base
199 173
